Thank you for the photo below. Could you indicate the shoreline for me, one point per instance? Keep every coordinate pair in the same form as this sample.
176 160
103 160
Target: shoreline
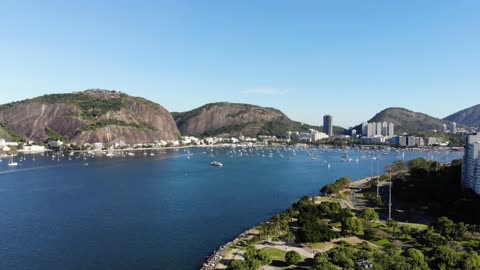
218 254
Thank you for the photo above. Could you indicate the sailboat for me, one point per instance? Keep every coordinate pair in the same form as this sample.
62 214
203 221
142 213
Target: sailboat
11 163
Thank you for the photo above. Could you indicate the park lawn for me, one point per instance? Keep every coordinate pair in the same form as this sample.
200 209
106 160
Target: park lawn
418 226
320 246
378 225
344 195
382 242
320 199
276 254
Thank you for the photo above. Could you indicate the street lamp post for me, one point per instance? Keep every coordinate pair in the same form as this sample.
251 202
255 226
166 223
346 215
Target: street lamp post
378 181
390 197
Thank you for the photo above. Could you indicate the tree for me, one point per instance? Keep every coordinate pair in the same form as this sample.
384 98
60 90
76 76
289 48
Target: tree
320 262
416 259
449 229
289 237
396 166
255 258
392 225
405 230
446 258
238 265
292 257
368 214
471 261
352 226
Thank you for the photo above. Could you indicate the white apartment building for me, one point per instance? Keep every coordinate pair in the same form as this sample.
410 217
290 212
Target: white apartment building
471 163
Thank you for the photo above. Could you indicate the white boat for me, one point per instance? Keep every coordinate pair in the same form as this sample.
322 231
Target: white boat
131 154
216 164
110 155
11 163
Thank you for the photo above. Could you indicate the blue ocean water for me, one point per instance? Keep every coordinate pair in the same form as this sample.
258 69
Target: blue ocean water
166 211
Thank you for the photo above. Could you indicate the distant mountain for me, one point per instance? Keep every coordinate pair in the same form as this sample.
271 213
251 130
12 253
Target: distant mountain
408 121
232 119
87 117
469 117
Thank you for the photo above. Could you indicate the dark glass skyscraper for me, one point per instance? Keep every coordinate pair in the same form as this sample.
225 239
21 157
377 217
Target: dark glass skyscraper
328 125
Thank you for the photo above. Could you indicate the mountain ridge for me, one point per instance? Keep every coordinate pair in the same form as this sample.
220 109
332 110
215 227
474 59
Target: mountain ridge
94 115
469 117
227 118
407 121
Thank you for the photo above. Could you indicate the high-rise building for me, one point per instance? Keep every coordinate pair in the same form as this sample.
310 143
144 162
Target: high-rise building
471 163
378 130
444 128
391 131
371 129
364 128
453 127
384 129
288 136
328 125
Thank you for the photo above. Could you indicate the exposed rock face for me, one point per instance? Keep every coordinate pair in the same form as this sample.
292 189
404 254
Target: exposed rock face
469 117
31 119
231 119
90 116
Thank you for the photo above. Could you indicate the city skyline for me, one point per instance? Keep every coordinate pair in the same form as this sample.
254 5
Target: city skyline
351 61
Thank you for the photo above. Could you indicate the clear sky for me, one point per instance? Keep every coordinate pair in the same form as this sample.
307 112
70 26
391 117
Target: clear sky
350 59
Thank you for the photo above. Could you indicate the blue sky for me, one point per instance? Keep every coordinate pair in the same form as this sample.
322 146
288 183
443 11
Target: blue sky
350 59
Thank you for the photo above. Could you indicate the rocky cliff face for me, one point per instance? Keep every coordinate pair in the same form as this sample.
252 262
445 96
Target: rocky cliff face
233 119
90 116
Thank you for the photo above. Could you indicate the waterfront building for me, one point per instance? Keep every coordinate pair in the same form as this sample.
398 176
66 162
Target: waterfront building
453 127
385 129
410 141
371 129
471 163
55 144
374 139
400 140
33 148
419 141
391 131
433 141
444 128
328 125
364 128
378 129
98 146
288 136
316 135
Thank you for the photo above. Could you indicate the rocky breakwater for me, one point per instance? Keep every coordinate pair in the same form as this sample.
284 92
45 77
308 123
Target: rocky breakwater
214 259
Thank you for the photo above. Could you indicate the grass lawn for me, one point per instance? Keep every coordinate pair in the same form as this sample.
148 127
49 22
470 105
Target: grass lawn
276 254
418 226
320 199
317 245
382 242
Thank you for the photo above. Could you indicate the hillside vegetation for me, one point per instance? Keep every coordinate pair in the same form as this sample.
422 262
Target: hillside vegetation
408 121
469 117
233 119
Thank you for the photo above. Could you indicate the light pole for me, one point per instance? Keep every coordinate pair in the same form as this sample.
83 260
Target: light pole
390 197
371 168
378 180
